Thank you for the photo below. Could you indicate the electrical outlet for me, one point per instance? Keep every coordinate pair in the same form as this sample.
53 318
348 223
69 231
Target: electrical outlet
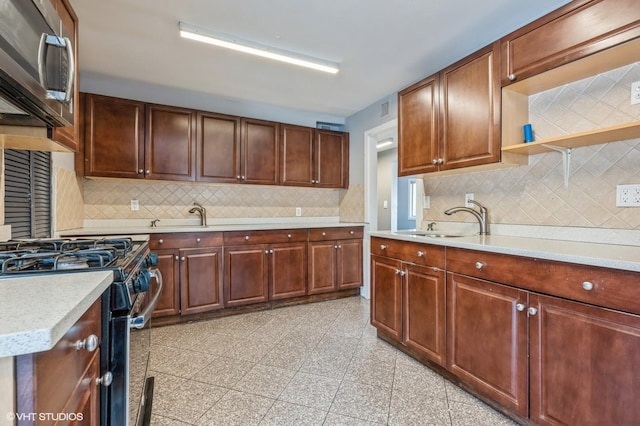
635 92
135 205
468 196
628 196
426 203
298 211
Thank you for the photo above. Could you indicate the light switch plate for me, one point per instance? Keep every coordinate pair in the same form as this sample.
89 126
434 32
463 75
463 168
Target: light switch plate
135 205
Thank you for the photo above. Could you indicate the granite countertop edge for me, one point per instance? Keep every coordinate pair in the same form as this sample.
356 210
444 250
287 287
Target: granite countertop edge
39 310
623 257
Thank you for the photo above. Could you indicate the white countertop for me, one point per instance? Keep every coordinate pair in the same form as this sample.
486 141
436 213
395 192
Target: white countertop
129 227
38 310
625 257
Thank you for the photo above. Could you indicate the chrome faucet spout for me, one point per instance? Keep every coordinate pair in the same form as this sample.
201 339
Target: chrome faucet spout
481 216
201 211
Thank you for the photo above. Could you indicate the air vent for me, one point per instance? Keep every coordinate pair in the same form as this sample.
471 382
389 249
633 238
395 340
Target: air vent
384 109
329 126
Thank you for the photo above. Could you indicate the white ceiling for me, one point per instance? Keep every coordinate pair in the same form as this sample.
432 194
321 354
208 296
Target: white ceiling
381 45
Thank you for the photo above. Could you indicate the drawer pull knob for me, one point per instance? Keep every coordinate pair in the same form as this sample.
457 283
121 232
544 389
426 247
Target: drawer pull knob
246 238
105 380
351 232
383 247
89 344
587 285
197 240
511 77
420 253
266 252
532 311
520 307
479 265
160 241
177 258
182 258
288 235
141 171
324 234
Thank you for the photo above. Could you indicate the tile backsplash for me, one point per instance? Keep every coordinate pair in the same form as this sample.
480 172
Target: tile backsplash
111 199
535 194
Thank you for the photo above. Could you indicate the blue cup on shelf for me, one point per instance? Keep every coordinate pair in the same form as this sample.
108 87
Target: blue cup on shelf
528 133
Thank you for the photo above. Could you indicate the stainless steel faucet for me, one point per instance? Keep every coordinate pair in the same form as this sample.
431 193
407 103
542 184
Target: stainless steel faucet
482 215
201 211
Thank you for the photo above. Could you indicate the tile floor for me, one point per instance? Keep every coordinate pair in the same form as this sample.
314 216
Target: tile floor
315 364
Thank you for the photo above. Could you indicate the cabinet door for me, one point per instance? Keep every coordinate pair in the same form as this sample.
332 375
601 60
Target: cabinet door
296 154
169 303
246 275
386 294
418 127
487 339
218 148
349 264
260 161
423 311
170 143
322 267
583 364
114 137
572 32
288 270
70 136
332 159
200 280
470 110
84 402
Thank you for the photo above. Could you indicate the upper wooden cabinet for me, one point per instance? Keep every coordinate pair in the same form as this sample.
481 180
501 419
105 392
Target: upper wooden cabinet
169 143
313 157
452 120
218 148
113 137
574 31
70 136
418 127
259 152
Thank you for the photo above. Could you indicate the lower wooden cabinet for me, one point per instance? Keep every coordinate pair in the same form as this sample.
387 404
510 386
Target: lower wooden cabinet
200 280
487 339
583 364
246 275
287 270
542 358
335 259
63 379
169 302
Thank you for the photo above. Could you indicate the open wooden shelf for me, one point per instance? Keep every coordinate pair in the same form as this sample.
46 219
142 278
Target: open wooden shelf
574 140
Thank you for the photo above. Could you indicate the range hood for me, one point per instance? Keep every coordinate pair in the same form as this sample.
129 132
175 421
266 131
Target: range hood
29 138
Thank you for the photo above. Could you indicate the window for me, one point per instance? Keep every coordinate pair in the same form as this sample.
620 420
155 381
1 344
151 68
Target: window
413 197
27 193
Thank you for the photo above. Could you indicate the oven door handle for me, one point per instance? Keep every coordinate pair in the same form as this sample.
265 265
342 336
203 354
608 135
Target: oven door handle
141 320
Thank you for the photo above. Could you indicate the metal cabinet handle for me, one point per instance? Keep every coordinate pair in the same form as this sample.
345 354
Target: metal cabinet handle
532 311
177 258
182 258
238 177
351 232
244 178
403 273
587 285
141 171
520 307
147 172
339 246
420 253
288 235
479 265
266 252
160 241
335 246
383 247
511 77
246 238
434 161
105 380
197 240
89 344
324 234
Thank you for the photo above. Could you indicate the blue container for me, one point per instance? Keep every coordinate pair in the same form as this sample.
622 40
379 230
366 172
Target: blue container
528 133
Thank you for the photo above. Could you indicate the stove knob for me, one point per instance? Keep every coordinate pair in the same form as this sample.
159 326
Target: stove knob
141 282
152 260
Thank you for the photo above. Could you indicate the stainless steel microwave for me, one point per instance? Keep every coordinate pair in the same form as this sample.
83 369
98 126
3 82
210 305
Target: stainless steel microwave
37 66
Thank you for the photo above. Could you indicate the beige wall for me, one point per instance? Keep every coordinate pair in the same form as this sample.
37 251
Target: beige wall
535 194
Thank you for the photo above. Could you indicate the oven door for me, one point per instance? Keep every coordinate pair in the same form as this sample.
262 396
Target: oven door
131 391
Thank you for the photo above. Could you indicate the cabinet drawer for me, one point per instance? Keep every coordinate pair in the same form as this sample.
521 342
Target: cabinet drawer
418 253
605 287
265 237
56 372
185 240
339 233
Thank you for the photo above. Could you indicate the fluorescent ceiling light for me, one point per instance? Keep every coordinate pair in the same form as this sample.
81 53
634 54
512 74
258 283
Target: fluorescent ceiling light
233 43
384 143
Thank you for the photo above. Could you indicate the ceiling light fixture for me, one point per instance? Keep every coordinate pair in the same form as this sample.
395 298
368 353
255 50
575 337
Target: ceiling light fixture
233 43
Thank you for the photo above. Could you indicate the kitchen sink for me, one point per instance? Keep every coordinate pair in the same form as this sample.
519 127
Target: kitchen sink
432 234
